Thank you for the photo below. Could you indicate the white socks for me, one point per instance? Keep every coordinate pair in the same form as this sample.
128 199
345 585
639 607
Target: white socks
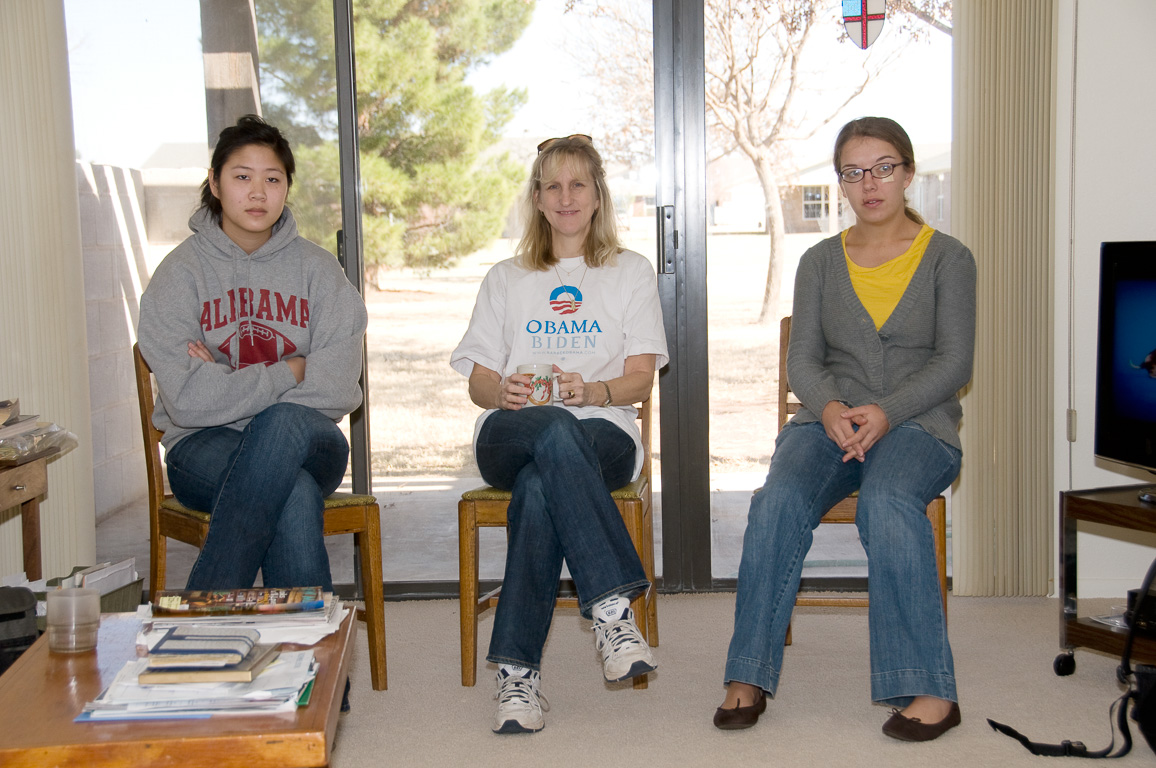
515 671
610 609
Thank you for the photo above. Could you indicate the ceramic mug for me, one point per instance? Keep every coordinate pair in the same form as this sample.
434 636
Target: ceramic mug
543 383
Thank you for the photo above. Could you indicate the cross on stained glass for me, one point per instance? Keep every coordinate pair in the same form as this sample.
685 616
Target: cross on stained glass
858 18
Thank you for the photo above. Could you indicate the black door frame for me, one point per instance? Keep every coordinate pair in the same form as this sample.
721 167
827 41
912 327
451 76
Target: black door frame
680 158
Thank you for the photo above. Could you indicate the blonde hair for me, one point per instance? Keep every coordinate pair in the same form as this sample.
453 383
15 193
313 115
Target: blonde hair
884 129
535 249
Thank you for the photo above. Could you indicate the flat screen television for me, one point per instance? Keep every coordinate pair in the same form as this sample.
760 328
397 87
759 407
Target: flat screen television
1125 429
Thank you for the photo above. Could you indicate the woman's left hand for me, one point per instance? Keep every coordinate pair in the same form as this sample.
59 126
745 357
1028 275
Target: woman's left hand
198 350
872 425
572 389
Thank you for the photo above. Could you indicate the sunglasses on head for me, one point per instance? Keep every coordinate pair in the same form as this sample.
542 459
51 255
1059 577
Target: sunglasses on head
580 137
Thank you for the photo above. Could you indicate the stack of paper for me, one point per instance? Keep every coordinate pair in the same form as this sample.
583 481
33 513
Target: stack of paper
281 687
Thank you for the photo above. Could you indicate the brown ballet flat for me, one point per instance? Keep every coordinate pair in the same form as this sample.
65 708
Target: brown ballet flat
913 729
740 717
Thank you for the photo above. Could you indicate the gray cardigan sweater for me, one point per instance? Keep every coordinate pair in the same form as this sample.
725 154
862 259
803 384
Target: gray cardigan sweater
913 367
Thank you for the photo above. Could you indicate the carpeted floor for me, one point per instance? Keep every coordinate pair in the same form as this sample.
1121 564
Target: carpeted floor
822 716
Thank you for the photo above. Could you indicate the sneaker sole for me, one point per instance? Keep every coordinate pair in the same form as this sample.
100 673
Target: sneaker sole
637 669
513 726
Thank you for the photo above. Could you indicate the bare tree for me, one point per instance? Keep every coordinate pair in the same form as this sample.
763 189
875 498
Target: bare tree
760 97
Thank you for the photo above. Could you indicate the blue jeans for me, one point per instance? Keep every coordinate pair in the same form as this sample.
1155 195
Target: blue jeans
902 473
264 488
560 471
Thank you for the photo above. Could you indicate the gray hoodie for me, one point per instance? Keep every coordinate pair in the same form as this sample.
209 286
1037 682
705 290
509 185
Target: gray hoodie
289 298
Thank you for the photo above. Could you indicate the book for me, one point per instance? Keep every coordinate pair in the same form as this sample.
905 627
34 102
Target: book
202 646
226 602
244 671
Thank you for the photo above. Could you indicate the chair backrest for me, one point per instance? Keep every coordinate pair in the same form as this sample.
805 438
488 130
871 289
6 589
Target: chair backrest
151 435
788 404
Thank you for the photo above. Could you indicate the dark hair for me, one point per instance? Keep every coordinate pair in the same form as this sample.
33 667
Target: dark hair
250 129
884 129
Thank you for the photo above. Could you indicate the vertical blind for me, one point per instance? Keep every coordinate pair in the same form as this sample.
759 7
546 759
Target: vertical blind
1002 195
43 343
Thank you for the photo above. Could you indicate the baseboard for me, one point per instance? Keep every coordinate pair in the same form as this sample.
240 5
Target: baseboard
396 591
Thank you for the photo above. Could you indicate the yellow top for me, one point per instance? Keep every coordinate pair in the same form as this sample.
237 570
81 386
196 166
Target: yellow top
881 287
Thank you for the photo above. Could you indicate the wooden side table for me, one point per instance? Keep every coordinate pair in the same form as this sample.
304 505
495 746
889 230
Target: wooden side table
22 483
1119 507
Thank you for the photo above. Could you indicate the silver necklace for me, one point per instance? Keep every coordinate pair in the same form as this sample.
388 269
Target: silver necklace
562 285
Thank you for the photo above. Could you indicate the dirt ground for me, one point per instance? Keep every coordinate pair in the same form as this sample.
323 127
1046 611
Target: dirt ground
421 417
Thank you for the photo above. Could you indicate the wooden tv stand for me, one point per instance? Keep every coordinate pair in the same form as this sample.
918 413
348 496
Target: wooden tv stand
1120 507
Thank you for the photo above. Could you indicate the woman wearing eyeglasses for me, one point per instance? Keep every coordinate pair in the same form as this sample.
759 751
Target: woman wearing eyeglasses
574 299
882 337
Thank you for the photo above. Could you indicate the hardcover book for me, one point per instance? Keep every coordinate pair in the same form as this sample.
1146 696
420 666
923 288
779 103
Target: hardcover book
196 646
238 601
248 668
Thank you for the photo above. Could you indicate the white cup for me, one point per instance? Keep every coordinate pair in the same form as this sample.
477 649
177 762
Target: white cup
73 620
543 383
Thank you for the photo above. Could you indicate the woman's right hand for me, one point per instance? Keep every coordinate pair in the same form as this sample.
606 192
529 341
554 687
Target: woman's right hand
513 391
840 429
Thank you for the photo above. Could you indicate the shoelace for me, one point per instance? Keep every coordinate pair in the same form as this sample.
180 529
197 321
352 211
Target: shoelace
522 690
618 634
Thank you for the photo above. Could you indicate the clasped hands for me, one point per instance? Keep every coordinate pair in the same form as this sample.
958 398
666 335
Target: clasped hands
854 430
515 389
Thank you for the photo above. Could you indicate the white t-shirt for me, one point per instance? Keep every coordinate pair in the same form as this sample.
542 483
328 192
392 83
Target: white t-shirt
586 321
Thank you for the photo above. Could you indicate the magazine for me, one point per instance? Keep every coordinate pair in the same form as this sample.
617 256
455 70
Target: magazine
225 602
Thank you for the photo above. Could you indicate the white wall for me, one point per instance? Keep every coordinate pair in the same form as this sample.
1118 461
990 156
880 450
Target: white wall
1104 191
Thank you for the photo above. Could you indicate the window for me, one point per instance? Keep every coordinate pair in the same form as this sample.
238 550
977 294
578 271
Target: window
816 203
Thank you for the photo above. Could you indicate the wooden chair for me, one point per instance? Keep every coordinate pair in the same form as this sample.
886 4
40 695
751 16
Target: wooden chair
344 513
843 513
486 508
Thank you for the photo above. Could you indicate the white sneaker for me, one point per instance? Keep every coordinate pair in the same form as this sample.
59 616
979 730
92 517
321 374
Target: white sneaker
520 703
624 653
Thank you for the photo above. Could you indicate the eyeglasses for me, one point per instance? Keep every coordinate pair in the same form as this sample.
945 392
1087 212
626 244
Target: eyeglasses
855 175
579 137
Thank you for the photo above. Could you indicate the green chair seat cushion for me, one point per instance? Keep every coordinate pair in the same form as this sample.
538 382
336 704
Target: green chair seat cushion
632 490
331 502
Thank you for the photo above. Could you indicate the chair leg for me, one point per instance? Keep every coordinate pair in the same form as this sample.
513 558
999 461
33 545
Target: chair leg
159 552
632 516
369 545
652 595
468 589
937 513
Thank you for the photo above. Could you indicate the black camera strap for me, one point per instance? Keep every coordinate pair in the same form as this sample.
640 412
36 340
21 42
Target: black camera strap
1117 713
